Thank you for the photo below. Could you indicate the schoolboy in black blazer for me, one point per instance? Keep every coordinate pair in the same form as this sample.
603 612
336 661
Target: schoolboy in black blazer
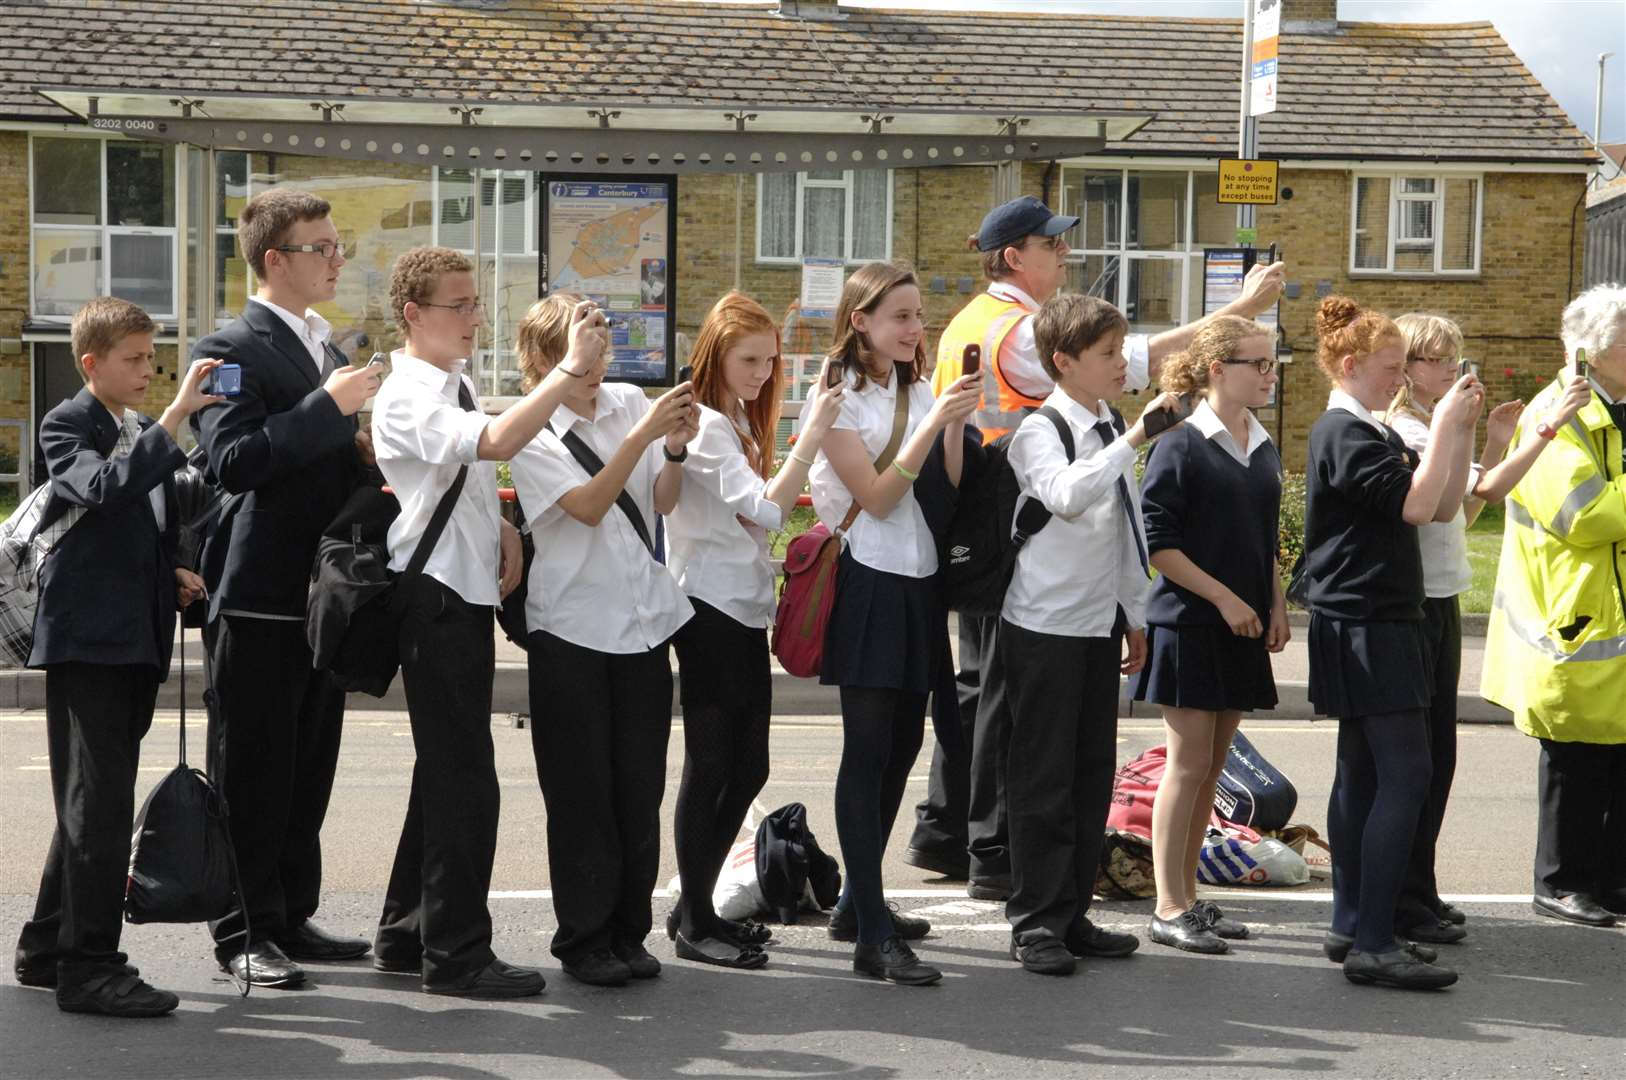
287 448
103 632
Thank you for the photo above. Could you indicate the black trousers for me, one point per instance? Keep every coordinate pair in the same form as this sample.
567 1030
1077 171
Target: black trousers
988 815
599 727
435 906
726 686
95 716
1063 697
1378 791
1581 830
274 747
942 818
1420 893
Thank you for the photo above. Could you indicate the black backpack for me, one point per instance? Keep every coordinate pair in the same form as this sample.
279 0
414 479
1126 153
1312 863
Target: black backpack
982 547
789 859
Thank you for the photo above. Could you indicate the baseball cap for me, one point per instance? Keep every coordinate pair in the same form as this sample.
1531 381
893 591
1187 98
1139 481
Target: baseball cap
1009 222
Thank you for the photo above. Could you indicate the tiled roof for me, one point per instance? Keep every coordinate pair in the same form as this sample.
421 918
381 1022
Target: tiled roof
1369 90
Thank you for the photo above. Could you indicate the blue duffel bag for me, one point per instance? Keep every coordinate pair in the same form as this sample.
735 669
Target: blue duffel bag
1253 792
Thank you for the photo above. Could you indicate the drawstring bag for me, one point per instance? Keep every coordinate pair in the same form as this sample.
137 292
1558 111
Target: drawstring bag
183 867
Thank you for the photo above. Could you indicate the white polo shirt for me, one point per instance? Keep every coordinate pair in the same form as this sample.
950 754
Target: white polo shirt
596 587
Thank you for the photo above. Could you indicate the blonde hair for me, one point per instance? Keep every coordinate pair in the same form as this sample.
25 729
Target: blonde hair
864 292
1347 329
1215 342
1425 334
102 323
733 317
543 336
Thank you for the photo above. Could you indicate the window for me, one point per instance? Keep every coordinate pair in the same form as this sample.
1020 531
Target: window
1139 239
103 215
825 214
1408 224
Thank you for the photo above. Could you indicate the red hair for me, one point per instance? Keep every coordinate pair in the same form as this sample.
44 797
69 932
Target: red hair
1347 329
733 318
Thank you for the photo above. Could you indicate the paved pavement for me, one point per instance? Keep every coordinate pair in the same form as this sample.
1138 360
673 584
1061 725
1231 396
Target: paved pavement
1537 998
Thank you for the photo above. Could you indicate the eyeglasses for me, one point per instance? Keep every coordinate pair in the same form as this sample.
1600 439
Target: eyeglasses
327 249
473 307
1438 361
1264 365
1054 243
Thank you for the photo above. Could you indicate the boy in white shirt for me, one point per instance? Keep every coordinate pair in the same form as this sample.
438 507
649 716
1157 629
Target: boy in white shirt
1077 594
427 429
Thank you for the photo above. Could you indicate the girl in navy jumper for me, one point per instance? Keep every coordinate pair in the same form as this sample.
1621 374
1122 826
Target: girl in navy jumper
1370 665
1211 497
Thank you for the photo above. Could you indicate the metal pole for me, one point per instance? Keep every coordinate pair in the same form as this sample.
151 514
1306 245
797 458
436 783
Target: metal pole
1597 108
1247 126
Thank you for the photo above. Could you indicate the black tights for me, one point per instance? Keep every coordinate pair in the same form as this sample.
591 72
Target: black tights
727 694
881 736
1377 794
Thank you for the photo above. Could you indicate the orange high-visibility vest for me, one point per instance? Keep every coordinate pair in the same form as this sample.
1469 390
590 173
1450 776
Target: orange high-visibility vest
986 321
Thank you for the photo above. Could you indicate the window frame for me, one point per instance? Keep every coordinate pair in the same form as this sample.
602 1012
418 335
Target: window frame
848 185
105 231
1400 238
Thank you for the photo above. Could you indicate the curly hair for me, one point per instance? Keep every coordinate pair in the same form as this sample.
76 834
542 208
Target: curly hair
417 272
1215 342
1347 329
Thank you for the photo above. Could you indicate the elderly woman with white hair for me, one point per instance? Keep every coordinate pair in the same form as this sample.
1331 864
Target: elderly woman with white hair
1555 652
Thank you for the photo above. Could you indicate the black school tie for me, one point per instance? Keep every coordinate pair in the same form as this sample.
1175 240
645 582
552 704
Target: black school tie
464 398
1106 433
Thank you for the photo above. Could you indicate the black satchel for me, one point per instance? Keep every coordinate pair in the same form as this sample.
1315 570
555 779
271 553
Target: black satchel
183 867
354 609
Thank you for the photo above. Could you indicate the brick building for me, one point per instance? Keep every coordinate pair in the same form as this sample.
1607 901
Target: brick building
1427 168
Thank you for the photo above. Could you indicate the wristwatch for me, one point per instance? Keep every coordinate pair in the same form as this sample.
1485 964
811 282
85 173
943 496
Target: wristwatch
1546 430
676 459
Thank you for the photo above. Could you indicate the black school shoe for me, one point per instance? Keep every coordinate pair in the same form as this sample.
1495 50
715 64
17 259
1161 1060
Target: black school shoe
1400 969
1187 931
1438 932
844 925
116 993
599 967
1336 946
1452 914
948 864
640 965
496 981
1047 956
1215 922
894 961
1087 939
1575 908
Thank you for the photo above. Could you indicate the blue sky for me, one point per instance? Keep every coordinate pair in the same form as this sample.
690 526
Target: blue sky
1558 40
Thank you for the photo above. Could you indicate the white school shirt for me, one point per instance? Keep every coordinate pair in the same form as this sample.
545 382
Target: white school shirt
901 542
421 437
1211 427
1071 578
311 329
1444 544
1340 399
1019 353
713 556
596 587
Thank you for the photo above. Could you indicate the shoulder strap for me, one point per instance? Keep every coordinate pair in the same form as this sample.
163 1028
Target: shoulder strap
900 421
594 465
437 525
1063 430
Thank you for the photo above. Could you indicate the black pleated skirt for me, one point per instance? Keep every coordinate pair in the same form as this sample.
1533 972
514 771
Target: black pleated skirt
1365 668
1205 667
883 630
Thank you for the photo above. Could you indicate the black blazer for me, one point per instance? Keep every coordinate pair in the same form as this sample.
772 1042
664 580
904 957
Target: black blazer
107 592
286 453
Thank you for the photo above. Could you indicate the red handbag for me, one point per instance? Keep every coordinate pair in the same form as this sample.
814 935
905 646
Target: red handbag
810 574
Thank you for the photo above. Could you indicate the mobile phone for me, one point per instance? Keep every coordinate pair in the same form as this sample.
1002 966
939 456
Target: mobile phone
377 360
685 373
971 360
1158 421
1466 367
1583 370
225 381
834 379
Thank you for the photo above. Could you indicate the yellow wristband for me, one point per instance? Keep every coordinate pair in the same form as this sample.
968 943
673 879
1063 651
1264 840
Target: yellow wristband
905 473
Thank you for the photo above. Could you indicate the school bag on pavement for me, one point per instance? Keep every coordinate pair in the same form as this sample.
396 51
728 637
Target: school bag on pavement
982 545
183 866
790 863
810 574
1253 792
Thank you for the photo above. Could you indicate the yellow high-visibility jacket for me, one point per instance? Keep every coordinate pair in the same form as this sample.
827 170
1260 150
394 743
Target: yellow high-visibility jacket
987 321
1555 650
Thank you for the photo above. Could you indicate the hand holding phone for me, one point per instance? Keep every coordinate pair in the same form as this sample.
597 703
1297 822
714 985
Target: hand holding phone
1583 370
971 360
225 381
686 373
1155 421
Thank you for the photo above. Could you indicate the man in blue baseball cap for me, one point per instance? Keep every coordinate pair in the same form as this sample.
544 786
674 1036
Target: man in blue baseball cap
1024 255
